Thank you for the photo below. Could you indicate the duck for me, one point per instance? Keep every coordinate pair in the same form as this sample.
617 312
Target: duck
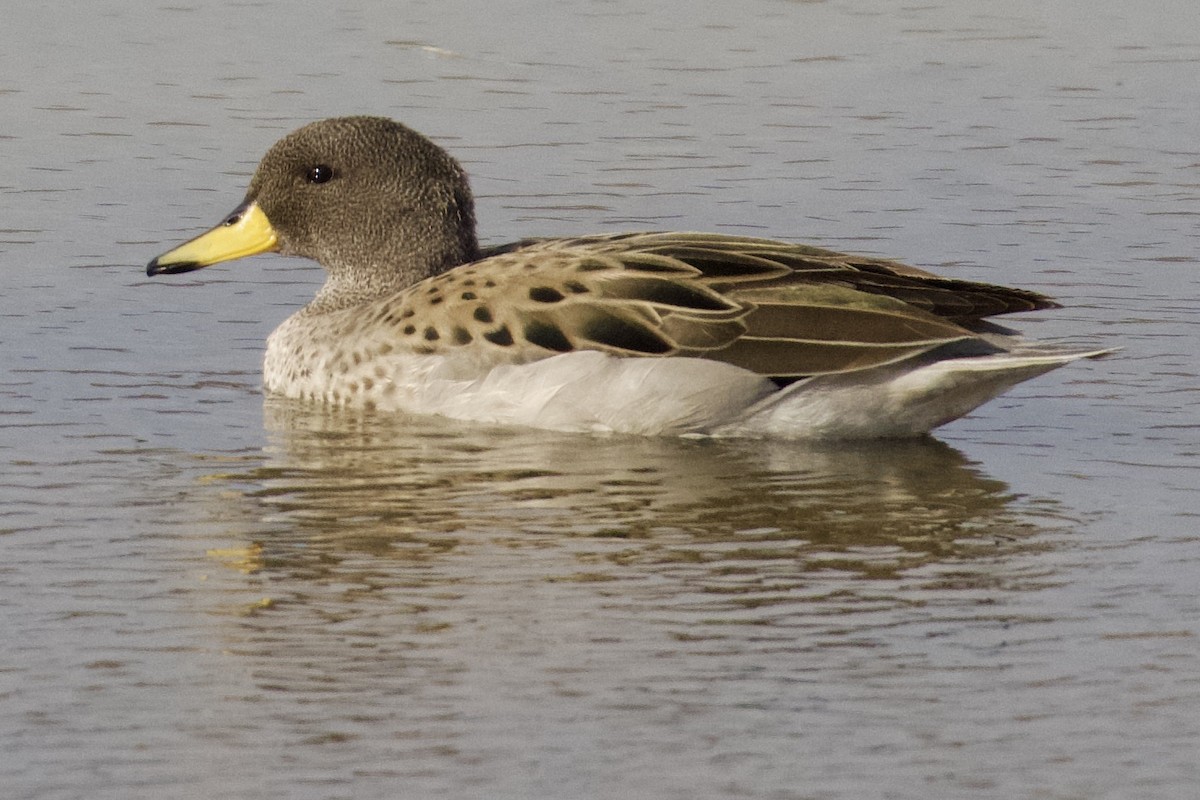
646 333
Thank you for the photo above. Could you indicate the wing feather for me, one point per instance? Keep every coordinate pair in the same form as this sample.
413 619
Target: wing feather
781 310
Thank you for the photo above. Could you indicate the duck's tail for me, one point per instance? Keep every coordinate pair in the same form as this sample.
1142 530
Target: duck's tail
897 400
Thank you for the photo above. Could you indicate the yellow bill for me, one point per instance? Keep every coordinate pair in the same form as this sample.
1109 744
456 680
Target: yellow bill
245 232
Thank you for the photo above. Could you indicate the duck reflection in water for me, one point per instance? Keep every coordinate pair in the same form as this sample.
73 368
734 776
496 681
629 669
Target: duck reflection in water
339 483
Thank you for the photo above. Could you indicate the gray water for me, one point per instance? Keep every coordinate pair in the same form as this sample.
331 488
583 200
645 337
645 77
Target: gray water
205 594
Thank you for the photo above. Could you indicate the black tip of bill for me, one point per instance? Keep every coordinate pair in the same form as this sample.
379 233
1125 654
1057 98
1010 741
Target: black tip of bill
171 268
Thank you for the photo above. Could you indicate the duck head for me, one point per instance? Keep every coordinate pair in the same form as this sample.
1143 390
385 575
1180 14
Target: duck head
377 204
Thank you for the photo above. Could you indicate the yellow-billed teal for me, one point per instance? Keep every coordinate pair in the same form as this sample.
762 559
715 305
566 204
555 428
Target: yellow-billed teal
650 333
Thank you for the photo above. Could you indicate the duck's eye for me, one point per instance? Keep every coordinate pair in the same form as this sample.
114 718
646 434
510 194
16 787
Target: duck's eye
321 173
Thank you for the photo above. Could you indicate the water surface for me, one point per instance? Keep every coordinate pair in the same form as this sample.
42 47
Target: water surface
206 594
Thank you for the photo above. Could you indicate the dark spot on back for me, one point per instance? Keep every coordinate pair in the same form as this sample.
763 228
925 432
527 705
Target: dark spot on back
668 293
501 336
623 334
409 330
431 334
575 287
462 336
545 294
483 315
549 336
469 296
714 266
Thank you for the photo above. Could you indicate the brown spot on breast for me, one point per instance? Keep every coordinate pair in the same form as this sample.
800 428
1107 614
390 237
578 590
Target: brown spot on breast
462 335
431 334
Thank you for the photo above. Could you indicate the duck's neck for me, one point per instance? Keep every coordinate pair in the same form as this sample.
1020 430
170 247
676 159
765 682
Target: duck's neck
344 291
419 247
348 286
